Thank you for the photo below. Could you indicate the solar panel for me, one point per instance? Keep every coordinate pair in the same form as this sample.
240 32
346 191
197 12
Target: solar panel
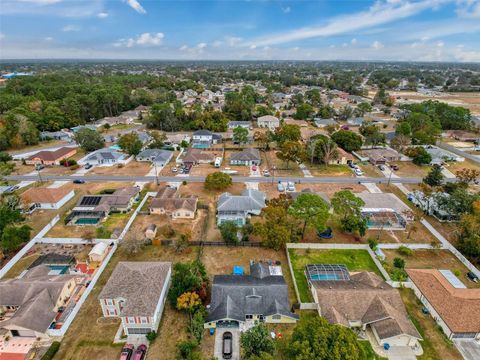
90 200
327 272
452 279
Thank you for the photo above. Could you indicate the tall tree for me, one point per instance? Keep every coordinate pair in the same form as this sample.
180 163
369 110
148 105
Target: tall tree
89 140
312 209
130 143
291 151
348 208
240 135
434 177
256 340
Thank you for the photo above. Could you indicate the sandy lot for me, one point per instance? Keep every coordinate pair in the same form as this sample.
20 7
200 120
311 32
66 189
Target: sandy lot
132 168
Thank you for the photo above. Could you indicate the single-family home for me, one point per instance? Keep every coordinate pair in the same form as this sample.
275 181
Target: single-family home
177 139
242 124
343 157
51 157
98 252
455 308
240 301
362 301
380 156
93 127
56 135
91 209
238 208
30 305
201 156
136 293
359 121
205 138
268 121
385 211
46 198
168 201
440 156
160 157
247 157
104 157
324 122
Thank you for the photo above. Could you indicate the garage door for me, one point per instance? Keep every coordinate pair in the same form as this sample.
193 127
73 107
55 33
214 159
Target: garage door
227 324
138 331
23 333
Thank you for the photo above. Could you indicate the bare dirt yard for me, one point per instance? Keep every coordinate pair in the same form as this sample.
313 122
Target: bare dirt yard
134 168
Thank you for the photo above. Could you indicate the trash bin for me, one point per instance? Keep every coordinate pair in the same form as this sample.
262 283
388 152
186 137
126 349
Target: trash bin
212 331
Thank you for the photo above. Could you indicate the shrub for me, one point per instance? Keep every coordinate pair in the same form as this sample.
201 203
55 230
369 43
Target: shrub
184 182
457 273
186 348
406 251
399 263
52 350
217 181
373 243
151 336
102 233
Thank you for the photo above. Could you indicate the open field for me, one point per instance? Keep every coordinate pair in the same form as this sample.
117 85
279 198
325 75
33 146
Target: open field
132 168
408 169
270 160
455 166
435 344
432 259
330 189
355 260
40 146
330 170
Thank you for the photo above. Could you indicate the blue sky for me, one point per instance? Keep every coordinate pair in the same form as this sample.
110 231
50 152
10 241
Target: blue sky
421 30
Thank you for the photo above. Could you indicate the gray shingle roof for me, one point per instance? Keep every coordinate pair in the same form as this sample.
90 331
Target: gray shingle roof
139 283
249 200
248 154
234 296
158 154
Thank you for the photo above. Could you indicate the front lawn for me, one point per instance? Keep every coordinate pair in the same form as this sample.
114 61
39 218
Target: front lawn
354 260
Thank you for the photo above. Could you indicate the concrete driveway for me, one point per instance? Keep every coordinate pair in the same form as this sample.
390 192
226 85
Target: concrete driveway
218 343
469 349
400 353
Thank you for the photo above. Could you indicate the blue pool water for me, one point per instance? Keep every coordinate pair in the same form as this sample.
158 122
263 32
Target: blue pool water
324 277
62 268
115 147
86 221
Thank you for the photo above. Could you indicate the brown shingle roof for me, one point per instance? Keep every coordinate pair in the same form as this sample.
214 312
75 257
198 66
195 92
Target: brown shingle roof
459 308
47 155
44 195
367 298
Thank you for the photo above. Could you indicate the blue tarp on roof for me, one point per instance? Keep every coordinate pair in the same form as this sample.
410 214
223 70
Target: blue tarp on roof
238 270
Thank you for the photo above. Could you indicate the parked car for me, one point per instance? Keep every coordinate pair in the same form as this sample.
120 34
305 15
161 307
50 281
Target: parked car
127 352
174 169
227 345
381 167
140 352
266 173
254 168
78 181
88 166
290 186
280 187
351 165
11 189
39 167
358 172
394 167
472 277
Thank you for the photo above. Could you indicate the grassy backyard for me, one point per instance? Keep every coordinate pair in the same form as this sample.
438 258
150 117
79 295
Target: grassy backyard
355 260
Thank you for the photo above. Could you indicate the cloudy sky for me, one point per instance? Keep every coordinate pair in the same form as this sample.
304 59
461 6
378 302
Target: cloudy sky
420 30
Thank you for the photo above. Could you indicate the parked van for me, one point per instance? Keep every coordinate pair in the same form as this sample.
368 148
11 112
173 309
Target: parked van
218 162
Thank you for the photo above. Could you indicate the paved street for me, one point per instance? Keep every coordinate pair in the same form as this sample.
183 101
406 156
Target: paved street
241 179
469 349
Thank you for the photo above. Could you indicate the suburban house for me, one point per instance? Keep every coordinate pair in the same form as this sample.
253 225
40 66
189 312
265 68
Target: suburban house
379 156
240 301
51 157
30 305
268 121
359 121
201 156
160 157
238 208
324 122
385 211
104 157
93 127
343 157
98 252
242 124
455 308
91 209
46 198
136 292
362 301
430 204
247 157
56 135
167 201
205 138
177 139
440 156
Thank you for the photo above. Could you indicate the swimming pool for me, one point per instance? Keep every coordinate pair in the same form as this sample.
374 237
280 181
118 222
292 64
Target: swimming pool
86 221
324 277
115 147
60 269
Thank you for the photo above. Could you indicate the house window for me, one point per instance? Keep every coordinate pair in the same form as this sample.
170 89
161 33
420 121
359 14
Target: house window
130 320
261 317
248 317
109 302
112 312
276 317
144 320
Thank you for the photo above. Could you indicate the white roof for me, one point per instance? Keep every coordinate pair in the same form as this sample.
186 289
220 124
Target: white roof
98 249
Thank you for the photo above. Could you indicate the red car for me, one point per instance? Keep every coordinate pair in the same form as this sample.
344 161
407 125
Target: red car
127 352
140 352
254 168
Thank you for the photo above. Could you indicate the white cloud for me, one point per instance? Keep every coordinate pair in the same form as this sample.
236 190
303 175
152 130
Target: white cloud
183 48
102 15
440 44
378 14
469 9
201 45
70 28
344 45
233 40
48 38
286 9
135 5
353 41
377 45
2 36
253 46
145 39
41 2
